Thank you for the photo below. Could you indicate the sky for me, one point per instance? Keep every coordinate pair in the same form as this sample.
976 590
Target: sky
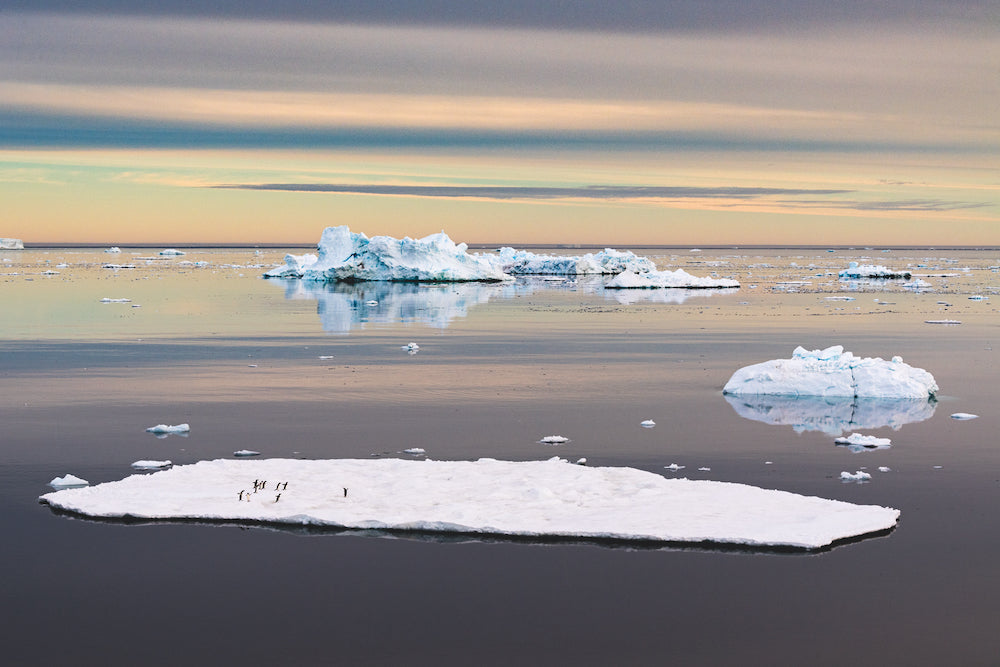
749 122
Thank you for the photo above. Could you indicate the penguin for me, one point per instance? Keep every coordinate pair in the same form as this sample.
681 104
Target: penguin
345 491
278 498
241 494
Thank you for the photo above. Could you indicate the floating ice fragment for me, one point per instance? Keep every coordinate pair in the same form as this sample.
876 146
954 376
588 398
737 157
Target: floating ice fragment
884 468
532 498
964 416
553 440
978 297
416 451
245 452
110 300
857 442
326 356
661 279
674 467
151 465
11 244
371 303
857 476
649 423
164 428
172 251
113 249
942 321
67 482
855 270
704 469
582 461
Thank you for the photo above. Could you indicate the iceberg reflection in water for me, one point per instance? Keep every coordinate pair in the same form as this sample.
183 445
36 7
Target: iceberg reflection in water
832 414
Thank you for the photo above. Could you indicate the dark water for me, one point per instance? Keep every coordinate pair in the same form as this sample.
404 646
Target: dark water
231 355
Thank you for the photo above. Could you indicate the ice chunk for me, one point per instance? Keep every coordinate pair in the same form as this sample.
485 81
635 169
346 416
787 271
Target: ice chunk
884 468
942 321
649 423
606 262
11 244
245 452
113 249
857 442
416 451
554 440
964 416
674 466
411 347
172 251
67 482
855 270
164 428
659 279
551 498
832 372
151 465
110 300
346 256
857 476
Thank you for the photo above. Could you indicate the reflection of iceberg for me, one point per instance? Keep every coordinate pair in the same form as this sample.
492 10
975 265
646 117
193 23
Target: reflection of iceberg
675 295
345 306
832 414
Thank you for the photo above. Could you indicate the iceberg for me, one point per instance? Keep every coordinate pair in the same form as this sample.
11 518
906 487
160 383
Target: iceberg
855 271
11 244
856 476
164 428
832 414
172 251
67 481
660 279
547 499
832 372
554 440
962 416
346 256
151 465
608 261
113 249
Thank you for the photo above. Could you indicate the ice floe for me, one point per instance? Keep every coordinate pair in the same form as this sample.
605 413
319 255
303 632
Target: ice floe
11 244
534 498
832 414
857 476
675 467
165 428
832 372
110 300
245 453
411 347
649 423
172 251
67 481
962 416
855 270
660 279
151 465
554 440
416 451
856 442
113 249
606 262
942 321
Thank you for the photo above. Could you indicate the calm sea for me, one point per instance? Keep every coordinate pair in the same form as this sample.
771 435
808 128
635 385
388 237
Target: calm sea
293 370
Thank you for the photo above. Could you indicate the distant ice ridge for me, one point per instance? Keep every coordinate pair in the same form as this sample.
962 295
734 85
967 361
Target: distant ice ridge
855 270
832 414
346 256
832 372
657 279
552 498
11 244
606 262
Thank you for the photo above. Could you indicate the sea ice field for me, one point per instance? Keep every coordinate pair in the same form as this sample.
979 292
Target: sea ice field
402 376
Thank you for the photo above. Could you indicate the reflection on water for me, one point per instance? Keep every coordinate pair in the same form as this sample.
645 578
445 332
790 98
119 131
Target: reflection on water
833 415
345 306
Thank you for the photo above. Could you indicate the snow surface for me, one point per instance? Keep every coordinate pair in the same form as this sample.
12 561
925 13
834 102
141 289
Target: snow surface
857 442
164 428
658 279
832 414
67 481
550 498
855 270
832 372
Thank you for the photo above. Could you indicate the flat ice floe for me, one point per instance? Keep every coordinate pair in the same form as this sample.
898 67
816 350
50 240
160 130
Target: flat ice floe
832 372
537 499
962 416
659 279
161 429
858 442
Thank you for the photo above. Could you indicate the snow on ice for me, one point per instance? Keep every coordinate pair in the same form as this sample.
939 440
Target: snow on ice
832 372
550 498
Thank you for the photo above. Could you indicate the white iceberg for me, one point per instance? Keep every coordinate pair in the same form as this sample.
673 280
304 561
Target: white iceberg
554 440
832 414
243 453
172 251
535 498
857 476
857 442
660 279
964 416
113 249
11 244
67 481
416 451
352 257
151 465
649 423
110 300
832 372
608 261
855 271
411 347
165 428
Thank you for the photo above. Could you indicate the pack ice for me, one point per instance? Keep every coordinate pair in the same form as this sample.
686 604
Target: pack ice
832 372
552 498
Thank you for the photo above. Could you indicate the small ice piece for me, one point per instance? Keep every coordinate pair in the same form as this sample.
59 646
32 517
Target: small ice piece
582 461
245 452
110 300
855 270
554 440
660 279
172 251
411 347
326 356
151 465
67 482
371 303
415 451
942 321
856 476
113 249
964 415
978 297
675 467
164 428
704 469
884 468
857 442
50 272
649 423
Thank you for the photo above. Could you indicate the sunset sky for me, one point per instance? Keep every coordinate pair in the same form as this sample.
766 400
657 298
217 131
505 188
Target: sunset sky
673 122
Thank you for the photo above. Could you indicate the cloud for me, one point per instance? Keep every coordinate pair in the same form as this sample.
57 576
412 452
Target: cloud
918 205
